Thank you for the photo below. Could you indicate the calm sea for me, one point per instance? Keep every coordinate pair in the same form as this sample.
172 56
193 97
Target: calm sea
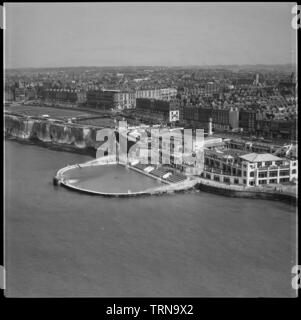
63 243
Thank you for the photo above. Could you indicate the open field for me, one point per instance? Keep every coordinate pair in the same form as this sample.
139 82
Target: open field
37 111
99 122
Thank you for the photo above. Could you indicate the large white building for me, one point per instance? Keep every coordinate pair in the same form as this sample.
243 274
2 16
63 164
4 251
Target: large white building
127 99
166 94
252 169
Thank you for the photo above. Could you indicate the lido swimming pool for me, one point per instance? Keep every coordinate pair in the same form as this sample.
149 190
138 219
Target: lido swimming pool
113 178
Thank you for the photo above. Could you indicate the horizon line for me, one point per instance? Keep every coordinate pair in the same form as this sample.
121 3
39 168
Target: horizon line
156 66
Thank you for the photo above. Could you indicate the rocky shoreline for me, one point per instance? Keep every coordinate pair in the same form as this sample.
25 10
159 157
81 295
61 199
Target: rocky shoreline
52 135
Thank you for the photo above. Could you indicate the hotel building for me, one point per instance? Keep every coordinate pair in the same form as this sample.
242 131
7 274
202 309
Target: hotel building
249 169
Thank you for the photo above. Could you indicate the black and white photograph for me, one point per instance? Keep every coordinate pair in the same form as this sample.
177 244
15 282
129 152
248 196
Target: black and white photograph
150 150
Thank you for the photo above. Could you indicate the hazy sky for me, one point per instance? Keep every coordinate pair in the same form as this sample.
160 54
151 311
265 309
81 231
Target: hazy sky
113 34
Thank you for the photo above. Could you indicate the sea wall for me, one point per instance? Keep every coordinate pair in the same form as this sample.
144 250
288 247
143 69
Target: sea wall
50 133
253 194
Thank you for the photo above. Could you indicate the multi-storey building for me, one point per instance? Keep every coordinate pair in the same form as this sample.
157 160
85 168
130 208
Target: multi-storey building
159 108
20 94
30 93
9 93
108 99
168 94
125 100
165 94
225 119
247 120
249 169
64 95
273 129
117 99
101 99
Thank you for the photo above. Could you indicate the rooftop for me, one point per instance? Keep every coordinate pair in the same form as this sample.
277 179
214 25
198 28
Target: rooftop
262 157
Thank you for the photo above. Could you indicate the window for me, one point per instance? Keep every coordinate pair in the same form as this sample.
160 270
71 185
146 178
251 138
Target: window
268 163
236 181
263 174
226 180
284 180
251 183
273 181
252 174
245 181
293 171
245 174
259 164
216 178
284 173
208 176
262 182
273 173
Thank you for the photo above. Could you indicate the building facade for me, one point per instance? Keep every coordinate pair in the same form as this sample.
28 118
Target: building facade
20 94
111 99
159 108
247 120
222 119
165 94
64 95
250 169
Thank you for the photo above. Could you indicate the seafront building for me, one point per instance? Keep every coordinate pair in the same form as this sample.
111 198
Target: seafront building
218 162
121 100
249 169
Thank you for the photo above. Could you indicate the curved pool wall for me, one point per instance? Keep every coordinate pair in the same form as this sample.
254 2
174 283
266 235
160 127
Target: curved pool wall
61 179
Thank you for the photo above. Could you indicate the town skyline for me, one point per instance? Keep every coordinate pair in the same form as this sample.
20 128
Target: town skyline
263 65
